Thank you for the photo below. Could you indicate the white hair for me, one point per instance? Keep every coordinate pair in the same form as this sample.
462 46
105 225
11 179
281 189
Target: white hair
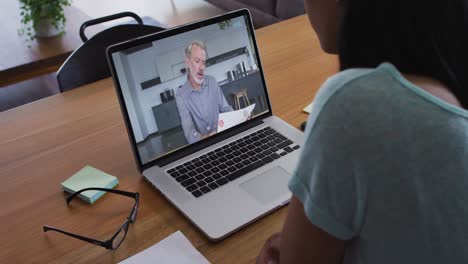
188 49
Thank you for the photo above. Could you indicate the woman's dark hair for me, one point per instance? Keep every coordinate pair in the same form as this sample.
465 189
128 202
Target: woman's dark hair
424 37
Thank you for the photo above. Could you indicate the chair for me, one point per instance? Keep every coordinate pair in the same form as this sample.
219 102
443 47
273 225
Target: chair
88 63
242 94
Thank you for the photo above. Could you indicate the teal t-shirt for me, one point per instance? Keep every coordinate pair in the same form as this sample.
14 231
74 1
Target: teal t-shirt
385 166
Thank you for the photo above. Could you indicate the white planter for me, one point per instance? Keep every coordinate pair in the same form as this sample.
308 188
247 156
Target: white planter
45 29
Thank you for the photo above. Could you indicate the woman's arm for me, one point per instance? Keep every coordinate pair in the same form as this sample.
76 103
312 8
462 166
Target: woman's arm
301 241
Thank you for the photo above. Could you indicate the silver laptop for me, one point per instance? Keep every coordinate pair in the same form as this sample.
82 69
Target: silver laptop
200 123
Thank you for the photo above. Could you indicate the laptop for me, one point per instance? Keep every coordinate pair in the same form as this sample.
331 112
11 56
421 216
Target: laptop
200 123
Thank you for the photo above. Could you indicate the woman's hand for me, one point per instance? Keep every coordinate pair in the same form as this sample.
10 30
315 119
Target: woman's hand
270 252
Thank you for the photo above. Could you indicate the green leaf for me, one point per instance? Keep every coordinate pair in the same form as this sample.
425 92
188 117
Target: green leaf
32 11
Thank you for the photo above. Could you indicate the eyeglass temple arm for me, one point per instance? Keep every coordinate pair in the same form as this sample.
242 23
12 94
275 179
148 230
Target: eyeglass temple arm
129 194
87 239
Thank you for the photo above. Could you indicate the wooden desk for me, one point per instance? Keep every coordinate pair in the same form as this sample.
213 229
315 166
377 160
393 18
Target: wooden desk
20 62
43 143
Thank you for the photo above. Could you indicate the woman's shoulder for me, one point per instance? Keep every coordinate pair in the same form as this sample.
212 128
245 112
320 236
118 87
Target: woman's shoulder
349 88
381 88
356 81
358 98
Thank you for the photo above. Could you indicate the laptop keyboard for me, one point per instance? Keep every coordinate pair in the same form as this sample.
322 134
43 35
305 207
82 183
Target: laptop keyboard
231 161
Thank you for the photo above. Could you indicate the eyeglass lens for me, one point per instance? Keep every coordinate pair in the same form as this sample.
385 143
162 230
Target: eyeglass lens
134 212
120 237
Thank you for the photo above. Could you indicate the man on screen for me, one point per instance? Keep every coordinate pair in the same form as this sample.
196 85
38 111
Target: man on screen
200 99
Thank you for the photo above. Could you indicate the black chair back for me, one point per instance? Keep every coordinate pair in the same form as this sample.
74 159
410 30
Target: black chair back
88 63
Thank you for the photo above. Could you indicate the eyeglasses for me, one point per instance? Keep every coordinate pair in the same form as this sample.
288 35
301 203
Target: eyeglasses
115 241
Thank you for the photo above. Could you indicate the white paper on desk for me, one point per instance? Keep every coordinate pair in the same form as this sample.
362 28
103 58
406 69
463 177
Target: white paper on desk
230 119
308 108
175 248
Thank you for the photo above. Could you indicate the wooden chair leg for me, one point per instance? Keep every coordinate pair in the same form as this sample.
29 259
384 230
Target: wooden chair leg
237 103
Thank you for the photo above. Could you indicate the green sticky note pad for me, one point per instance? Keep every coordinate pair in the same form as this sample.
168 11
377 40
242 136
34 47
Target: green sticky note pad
89 177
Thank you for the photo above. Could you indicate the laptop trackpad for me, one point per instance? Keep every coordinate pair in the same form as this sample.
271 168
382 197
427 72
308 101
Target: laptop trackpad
268 186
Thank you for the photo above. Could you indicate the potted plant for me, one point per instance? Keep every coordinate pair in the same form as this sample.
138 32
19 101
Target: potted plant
42 18
225 24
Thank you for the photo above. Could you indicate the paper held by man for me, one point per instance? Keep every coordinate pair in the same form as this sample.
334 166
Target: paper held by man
230 119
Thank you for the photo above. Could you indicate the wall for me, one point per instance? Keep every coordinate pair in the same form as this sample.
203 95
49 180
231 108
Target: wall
162 61
128 97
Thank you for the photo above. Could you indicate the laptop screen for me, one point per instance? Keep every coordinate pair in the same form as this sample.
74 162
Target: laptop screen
184 88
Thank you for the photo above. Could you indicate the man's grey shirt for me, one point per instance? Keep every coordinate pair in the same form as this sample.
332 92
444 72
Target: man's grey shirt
199 109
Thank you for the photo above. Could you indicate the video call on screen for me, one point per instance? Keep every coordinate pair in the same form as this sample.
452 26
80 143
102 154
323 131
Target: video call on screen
174 99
